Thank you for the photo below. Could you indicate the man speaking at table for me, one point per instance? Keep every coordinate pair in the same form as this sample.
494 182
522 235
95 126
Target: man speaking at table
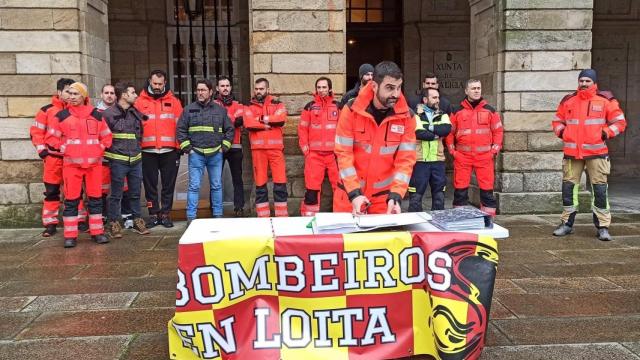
375 146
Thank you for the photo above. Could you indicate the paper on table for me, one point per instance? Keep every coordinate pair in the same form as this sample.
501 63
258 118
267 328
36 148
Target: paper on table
381 220
340 223
334 220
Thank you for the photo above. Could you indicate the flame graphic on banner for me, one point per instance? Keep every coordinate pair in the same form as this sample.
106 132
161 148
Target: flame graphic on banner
460 330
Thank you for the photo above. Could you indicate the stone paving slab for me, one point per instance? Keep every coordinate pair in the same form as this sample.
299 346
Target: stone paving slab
634 347
631 282
147 346
612 351
12 323
571 330
570 305
528 257
559 285
15 303
88 286
77 302
514 272
154 299
79 348
119 270
97 323
602 256
41 272
147 242
583 270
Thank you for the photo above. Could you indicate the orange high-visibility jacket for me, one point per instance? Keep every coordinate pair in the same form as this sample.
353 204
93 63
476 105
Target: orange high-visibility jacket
81 135
258 116
583 117
317 126
41 124
375 159
159 130
475 130
235 110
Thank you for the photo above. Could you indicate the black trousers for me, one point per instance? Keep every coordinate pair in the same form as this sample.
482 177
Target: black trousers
234 158
167 165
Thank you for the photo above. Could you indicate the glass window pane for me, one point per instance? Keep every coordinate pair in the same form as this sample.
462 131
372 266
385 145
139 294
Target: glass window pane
358 4
374 16
374 4
357 16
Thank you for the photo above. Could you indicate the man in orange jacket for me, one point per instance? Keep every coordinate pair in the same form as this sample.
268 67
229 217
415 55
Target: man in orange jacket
159 146
82 136
225 98
264 119
316 136
375 146
52 158
585 120
474 141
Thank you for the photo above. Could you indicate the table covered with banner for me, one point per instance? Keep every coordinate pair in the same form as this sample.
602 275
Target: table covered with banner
267 289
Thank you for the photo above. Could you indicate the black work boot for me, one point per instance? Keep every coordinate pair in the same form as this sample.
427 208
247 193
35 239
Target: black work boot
100 239
238 212
603 234
70 242
166 221
563 229
49 230
154 220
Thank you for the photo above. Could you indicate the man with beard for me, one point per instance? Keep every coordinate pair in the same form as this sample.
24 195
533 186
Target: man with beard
234 155
365 74
205 133
474 141
375 146
264 118
585 120
432 125
316 136
125 158
159 146
81 135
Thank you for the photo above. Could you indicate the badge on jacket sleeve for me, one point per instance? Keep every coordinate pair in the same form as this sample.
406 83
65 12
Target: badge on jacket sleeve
398 129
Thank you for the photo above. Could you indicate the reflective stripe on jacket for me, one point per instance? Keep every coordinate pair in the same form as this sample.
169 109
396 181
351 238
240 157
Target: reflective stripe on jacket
206 128
317 126
375 159
39 130
475 130
126 126
159 130
264 122
81 135
582 118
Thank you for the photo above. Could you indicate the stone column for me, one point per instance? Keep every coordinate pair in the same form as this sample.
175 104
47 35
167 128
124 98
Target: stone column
40 41
528 55
292 43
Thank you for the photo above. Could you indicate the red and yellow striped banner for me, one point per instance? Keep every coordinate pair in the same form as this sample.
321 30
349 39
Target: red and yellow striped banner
330 297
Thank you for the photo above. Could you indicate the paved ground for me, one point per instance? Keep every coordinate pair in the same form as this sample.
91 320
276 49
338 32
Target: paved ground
571 298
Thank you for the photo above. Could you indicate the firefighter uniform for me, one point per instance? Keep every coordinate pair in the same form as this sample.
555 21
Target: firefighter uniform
373 160
52 160
82 136
234 155
475 139
159 148
584 121
316 137
264 121
431 127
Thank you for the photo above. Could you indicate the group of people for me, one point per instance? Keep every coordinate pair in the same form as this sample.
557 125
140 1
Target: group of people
375 145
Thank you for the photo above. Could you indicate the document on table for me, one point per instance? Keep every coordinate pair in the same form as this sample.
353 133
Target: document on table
341 223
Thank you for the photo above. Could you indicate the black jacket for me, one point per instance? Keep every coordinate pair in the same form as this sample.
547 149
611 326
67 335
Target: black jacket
351 94
126 126
206 129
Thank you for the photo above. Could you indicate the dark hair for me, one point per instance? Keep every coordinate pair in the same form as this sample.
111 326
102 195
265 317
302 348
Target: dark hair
121 88
384 69
158 73
429 75
206 83
425 92
222 77
326 79
259 80
105 85
63 82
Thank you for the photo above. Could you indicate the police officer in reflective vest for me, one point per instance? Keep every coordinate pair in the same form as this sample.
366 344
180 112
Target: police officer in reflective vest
432 126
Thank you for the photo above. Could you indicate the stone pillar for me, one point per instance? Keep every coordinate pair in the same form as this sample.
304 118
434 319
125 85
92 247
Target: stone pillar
528 55
292 43
39 43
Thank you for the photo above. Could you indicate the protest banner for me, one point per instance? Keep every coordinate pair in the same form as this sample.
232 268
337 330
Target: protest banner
367 296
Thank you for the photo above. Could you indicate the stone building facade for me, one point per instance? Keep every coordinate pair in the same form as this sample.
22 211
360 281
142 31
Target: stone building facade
527 54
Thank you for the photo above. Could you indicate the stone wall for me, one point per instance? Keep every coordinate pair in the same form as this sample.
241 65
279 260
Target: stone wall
40 41
436 39
528 67
292 43
616 57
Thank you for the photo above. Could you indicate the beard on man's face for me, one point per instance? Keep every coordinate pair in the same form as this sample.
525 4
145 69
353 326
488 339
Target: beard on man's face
387 102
